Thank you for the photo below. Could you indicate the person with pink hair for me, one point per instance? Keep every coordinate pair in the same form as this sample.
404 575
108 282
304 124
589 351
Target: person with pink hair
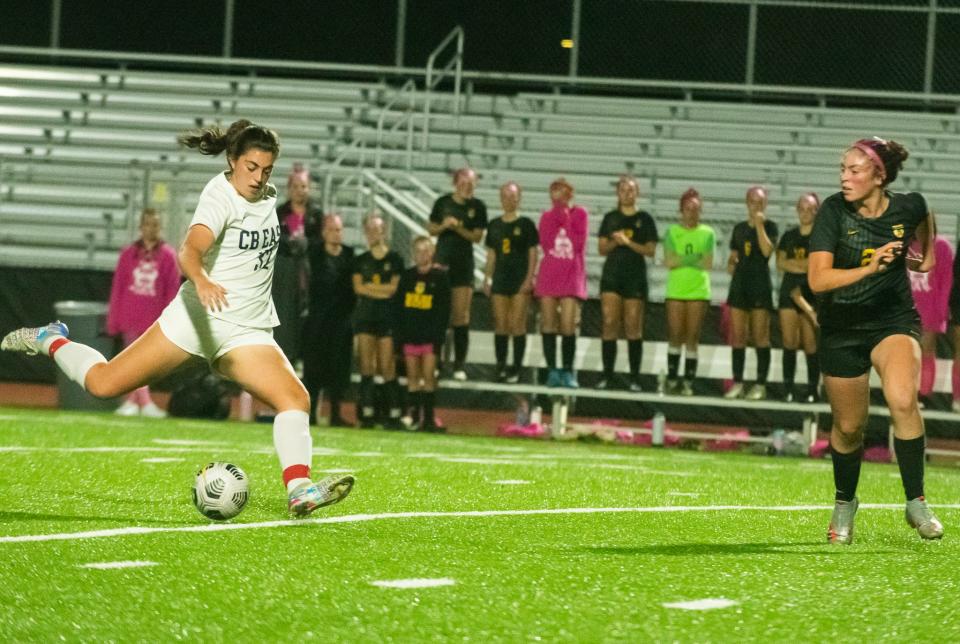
562 280
145 280
931 296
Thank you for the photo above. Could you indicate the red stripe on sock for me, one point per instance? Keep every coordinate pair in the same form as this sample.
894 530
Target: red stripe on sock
56 344
296 472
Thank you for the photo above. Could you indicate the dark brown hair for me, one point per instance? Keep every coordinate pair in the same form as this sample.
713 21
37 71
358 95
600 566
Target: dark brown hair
689 195
890 153
235 141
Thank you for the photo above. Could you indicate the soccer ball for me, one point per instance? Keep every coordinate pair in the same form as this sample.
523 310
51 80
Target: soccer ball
220 491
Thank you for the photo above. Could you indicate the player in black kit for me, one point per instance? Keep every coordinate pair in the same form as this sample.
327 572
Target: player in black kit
512 243
858 265
327 335
423 309
458 220
375 277
751 292
627 237
798 321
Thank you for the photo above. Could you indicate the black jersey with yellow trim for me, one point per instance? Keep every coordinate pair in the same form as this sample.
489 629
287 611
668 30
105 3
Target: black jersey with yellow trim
423 305
853 239
375 271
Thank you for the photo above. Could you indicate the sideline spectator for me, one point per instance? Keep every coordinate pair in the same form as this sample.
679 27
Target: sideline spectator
328 334
931 295
145 280
561 281
628 236
458 220
423 309
376 274
511 243
300 218
751 293
688 254
798 324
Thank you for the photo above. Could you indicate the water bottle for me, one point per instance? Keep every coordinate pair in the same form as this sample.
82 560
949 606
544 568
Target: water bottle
536 416
662 382
659 423
523 413
777 442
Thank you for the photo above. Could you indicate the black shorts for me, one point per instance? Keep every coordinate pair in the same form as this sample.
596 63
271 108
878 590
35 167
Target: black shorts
749 296
787 284
629 288
506 284
460 272
845 353
381 328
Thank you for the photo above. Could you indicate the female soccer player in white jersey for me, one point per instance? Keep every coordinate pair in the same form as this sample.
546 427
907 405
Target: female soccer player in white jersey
223 312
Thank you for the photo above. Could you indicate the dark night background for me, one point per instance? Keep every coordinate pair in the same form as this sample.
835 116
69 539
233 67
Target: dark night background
649 39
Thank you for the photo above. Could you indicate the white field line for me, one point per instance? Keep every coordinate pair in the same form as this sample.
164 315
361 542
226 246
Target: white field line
413 583
111 565
162 459
702 604
363 518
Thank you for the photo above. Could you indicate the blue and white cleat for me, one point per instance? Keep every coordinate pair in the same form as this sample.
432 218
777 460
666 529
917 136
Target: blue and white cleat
841 523
30 340
921 517
307 497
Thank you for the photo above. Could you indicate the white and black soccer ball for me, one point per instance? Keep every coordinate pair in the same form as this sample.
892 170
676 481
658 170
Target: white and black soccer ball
220 491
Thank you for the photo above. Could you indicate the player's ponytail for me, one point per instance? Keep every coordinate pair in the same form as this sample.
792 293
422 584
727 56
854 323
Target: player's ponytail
235 141
887 156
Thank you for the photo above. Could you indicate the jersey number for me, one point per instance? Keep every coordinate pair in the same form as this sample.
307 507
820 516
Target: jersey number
376 278
263 258
866 256
688 249
746 248
506 245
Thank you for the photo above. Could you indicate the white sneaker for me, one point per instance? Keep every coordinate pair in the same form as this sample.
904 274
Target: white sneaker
128 408
150 410
460 375
757 392
736 391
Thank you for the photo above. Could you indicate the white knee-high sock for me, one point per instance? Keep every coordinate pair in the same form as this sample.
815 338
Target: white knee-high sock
291 438
76 359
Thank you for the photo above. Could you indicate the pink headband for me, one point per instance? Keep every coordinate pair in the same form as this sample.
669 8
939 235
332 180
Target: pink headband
874 157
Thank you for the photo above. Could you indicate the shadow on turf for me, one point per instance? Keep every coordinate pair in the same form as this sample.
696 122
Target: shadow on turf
687 549
7 516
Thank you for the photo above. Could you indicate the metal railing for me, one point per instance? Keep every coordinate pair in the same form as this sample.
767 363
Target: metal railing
432 79
407 91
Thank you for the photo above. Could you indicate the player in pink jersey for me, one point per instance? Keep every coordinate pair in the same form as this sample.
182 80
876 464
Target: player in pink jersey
931 296
562 279
145 280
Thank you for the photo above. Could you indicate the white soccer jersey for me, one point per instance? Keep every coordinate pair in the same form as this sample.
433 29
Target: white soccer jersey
241 259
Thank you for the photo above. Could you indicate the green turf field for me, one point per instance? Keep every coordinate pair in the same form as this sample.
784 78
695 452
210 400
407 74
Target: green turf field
530 541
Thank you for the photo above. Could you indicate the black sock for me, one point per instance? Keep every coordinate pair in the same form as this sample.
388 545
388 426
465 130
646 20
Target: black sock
335 398
394 408
690 366
415 400
365 398
461 342
673 363
519 349
427 398
635 356
568 347
789 362
846 472
500 345
608 350
739 357
910 453
763 364
813 373
550 349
